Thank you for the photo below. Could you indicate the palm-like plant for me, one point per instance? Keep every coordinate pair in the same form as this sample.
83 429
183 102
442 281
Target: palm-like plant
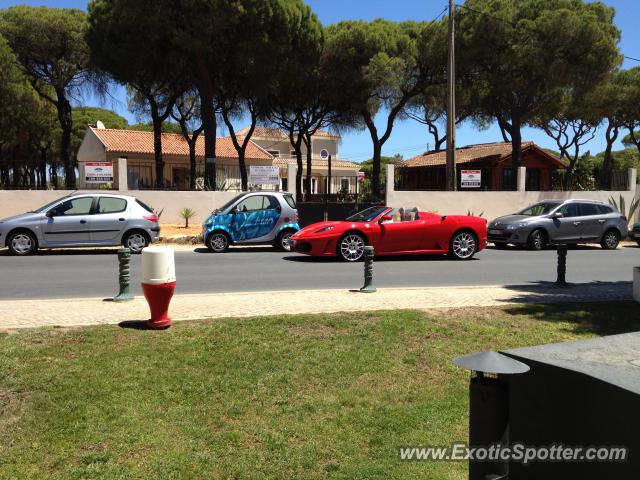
621 206
187 213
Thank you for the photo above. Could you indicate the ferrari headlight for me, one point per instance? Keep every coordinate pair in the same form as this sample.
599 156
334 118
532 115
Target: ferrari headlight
325 229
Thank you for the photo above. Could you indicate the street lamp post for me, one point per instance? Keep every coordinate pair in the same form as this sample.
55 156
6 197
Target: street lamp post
452 183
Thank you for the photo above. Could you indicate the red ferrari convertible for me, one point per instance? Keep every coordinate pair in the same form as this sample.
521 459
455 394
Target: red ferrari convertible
393 231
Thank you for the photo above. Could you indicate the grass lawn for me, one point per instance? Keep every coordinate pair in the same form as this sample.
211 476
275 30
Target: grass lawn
304 397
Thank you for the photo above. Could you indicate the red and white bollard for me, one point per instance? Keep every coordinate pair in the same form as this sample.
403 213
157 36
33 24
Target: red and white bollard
158 283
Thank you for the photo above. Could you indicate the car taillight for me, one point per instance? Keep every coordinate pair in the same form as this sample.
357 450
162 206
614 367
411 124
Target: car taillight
151 218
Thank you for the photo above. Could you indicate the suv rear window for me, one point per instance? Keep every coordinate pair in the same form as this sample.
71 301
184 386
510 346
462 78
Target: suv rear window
290 201
144 205
604 209
587 209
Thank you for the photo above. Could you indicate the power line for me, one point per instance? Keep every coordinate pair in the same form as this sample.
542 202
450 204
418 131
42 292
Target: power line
441 13
631 58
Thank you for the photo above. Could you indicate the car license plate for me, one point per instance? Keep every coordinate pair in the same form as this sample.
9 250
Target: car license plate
495 232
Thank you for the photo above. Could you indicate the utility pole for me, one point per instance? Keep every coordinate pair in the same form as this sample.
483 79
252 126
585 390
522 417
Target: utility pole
452 183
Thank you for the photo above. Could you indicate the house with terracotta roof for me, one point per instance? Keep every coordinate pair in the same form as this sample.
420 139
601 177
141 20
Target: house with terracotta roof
133 151
132 155
492 160
323 144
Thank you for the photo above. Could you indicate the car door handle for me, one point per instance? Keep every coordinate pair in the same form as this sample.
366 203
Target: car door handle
121 219
83 221
576 224
601 221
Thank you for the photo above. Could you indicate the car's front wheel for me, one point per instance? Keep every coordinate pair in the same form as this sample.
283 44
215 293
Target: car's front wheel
136 241
22 243
463 245
218 242
537 240
610 240
283 241
351 247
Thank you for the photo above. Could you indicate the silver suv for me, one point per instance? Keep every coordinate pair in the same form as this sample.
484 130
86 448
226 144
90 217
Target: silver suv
82 220
558 221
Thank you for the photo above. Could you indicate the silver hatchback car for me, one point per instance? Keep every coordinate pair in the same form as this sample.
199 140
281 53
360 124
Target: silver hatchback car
82 220
558 221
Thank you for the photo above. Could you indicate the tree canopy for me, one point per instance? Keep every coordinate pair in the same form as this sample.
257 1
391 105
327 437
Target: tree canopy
49 45
525 55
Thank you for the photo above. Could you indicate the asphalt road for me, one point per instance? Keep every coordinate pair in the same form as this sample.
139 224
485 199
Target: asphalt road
80 273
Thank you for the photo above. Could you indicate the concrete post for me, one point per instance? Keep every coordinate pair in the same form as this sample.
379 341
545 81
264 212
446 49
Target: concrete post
522 179
123 180
633 174
291 179
391 180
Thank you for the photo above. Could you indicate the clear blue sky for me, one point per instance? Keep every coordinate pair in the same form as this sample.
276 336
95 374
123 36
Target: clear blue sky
409 138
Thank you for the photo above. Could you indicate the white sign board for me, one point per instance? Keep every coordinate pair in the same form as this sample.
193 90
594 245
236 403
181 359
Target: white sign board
361 176
470 178
98 172
264 175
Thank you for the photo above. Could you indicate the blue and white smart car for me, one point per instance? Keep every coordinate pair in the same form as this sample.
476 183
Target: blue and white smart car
253 219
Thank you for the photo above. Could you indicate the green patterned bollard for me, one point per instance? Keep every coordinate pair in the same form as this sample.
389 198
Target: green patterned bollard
124 258
368 271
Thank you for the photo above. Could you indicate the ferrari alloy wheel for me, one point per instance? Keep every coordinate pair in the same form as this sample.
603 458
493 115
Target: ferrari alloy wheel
351 247
218 242
463 245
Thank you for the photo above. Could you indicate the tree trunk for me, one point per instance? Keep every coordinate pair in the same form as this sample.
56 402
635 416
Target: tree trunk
377 158
243 170
308 145
209 123
64 116
607 164
157 142
516 148
297 148
192 162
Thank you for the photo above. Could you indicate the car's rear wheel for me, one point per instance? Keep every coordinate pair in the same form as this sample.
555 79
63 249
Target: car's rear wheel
463 245
351 247
218 242
22 243
136 241
537 239
283 242
610 240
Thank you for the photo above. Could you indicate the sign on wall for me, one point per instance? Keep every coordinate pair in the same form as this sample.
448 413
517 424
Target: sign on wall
361 176
264 175
98 172
470 178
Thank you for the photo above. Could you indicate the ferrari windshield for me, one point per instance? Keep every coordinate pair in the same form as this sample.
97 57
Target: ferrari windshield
539 209
367 215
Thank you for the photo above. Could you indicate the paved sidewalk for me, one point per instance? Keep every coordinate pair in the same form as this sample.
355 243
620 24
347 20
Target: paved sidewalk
95 311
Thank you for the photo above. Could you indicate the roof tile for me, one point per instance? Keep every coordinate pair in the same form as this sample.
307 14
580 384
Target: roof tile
132 142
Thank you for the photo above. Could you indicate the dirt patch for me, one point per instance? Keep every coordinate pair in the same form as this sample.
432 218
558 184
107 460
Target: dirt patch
174 230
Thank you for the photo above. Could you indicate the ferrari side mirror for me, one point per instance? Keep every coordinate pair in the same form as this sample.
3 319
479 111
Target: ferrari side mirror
386 218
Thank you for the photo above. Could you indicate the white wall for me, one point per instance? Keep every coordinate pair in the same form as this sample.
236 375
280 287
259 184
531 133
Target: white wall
493 204
13 202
